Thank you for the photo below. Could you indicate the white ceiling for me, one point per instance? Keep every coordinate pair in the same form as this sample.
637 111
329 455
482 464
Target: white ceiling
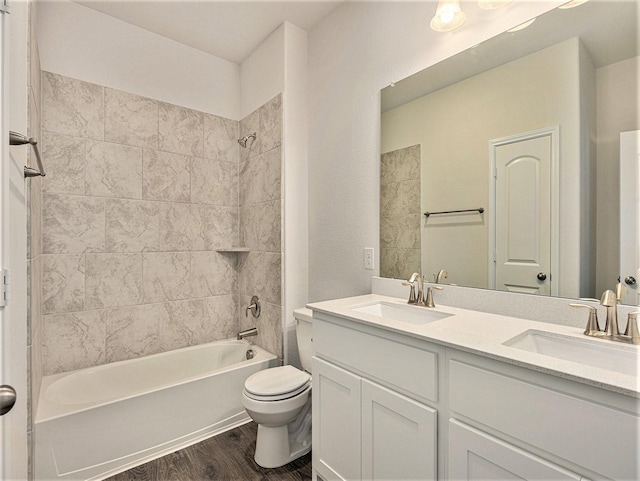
229 29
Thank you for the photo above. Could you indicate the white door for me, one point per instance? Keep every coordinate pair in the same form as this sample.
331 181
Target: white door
336 422
630 215
474 455
522 213
398 436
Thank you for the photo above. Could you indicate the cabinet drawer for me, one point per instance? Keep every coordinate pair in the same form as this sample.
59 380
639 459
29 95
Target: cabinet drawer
572 428
402 367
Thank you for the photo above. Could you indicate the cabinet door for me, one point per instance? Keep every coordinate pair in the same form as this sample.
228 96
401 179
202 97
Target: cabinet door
336 422
398 436
474 455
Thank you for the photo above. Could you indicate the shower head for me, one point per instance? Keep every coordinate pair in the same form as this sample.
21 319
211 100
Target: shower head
243 141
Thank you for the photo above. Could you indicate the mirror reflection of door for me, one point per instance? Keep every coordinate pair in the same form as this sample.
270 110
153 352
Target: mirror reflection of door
630 215
522 213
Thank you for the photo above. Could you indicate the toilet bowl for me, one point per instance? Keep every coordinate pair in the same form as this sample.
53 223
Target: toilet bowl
279 401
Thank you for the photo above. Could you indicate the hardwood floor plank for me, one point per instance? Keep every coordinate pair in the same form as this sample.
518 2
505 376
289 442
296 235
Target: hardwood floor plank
225 457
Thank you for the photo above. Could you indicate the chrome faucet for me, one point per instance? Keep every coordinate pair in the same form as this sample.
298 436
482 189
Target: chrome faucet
247 333
429 297
438 277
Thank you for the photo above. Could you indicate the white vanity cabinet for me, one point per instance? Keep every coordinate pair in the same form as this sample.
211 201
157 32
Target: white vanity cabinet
362 429
389 405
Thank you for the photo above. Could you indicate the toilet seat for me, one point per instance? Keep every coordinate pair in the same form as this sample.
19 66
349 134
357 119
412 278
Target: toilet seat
276 384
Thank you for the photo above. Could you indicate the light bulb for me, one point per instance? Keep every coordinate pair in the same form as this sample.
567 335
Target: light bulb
448 16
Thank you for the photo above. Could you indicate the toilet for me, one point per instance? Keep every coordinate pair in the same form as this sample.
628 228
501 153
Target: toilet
279 401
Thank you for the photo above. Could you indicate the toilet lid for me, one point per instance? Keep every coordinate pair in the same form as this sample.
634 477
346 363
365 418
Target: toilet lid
276 381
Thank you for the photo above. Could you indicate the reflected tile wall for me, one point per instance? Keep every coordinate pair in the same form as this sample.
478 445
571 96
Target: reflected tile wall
261 200
400 215
138 196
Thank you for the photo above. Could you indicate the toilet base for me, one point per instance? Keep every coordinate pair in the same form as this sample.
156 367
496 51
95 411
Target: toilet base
274 450
277 446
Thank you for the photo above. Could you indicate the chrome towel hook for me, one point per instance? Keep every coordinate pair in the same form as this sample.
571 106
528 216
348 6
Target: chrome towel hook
18 139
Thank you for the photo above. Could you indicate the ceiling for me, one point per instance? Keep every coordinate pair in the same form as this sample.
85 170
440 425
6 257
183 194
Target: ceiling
228 29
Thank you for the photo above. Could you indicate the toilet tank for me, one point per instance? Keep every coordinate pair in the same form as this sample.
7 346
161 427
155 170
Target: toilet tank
304 336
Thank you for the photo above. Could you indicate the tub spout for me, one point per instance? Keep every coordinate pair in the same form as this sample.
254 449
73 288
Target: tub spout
247 333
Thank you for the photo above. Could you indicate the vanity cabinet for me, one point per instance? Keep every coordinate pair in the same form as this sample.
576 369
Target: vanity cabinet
362 429
391 406
478 456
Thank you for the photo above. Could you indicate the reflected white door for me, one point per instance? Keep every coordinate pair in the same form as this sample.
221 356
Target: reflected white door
630 215
522 212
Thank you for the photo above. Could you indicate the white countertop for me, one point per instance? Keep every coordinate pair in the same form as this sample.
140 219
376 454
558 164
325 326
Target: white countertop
484 334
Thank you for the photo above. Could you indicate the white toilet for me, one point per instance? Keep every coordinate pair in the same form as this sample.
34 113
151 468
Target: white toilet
279 401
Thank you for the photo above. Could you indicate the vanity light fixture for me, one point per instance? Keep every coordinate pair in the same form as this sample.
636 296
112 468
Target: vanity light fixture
448 16
493 4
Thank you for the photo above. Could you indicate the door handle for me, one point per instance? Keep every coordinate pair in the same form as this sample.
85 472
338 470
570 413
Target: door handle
7 399
541 276
630 281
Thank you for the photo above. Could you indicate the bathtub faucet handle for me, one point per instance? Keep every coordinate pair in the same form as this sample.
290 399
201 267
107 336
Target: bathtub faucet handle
254 307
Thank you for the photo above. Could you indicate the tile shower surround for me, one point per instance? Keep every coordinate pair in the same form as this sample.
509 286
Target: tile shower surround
400 214
138 195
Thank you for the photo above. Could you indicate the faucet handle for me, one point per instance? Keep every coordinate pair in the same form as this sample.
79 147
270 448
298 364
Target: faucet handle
593 328
632 327
429 300
412 292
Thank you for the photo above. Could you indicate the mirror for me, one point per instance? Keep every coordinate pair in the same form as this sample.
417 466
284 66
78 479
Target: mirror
522 130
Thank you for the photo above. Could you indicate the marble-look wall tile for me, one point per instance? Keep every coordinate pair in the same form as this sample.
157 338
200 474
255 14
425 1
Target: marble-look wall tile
183 324
390 199
133 332
166 176
63 288
221 139
64 159
399 263
220 317
132 225
271 124
261 226
212 274
73 224
72 107
410 196
260 274
260 178
214 182
130 119
113 280
73 341
401 164
113 170
249 125
166 276
221 227
181 130
182 227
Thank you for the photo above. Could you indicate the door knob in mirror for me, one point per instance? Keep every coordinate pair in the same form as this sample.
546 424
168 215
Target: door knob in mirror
541 276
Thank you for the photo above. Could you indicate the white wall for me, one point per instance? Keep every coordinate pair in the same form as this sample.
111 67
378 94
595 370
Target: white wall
353 53
81 43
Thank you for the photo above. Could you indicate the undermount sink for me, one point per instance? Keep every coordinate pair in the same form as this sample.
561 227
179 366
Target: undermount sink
400 312
602 354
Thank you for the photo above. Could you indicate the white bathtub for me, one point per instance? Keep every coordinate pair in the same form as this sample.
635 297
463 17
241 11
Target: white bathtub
96 422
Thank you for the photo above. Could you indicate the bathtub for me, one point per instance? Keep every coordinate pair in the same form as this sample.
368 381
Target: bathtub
96 422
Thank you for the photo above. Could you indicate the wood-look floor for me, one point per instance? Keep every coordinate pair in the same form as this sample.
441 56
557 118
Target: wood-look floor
226 457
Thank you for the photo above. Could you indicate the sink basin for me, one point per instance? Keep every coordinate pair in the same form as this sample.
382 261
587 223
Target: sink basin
602 354
399 312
